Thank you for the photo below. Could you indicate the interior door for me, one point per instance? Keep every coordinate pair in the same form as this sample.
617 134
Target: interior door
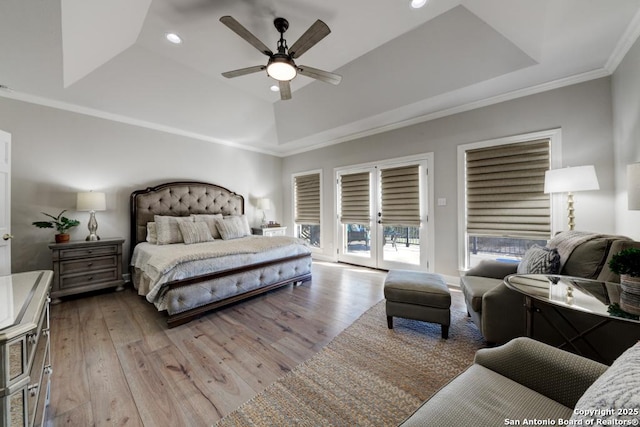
5 203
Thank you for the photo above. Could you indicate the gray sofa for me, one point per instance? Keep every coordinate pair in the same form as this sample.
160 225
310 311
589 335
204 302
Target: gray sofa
528 380
499 312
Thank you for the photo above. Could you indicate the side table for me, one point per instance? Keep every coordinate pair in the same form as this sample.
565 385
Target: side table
270 231
83 266
586 314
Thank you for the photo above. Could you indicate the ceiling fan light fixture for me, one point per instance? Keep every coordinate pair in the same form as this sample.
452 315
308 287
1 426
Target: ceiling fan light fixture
173 38
281 68
417 4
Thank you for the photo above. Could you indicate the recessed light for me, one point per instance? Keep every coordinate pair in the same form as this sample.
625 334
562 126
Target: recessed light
275 88
417 4
173 38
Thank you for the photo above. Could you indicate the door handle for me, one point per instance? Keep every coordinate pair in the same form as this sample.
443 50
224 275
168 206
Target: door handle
7 236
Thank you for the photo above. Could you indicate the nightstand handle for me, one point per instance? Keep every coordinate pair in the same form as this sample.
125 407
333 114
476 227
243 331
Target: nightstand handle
89 264
33 389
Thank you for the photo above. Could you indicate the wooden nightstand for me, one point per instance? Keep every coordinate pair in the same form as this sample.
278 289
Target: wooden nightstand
81 266
270 231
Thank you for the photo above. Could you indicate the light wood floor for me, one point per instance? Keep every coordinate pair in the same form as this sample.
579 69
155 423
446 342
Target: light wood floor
116 363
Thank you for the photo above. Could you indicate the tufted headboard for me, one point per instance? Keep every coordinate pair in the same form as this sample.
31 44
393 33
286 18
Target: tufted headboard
179 199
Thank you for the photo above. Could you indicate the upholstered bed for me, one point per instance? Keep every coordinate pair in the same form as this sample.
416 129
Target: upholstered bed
188 280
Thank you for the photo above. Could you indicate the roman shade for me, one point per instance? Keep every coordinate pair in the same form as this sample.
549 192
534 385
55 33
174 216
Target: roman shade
307 199
400 192
354 198
505 190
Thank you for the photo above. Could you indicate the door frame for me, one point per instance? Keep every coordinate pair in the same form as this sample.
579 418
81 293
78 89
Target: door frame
5 229
427 227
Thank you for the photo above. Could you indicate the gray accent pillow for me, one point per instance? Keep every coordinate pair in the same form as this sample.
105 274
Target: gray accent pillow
615 395
211 220
152 234
245 223
167 228
540 260
232 227
194 232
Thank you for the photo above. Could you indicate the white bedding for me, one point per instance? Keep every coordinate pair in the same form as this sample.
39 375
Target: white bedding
161 264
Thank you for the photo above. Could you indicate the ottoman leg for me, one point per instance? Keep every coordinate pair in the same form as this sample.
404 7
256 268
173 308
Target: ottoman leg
390 322
445 331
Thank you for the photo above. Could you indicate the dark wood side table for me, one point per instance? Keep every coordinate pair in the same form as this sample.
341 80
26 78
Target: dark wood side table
81 266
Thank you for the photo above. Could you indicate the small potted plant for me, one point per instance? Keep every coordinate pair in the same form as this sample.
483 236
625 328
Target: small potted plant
626 263
61 223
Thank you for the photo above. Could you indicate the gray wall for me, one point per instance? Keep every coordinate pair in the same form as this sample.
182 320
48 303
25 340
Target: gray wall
583 111
57 153
626 133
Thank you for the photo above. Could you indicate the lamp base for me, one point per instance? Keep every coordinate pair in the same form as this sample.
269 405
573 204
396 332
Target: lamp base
93 227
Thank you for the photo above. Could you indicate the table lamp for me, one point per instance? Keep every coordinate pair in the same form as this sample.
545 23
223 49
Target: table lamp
264 204
568 180
91 201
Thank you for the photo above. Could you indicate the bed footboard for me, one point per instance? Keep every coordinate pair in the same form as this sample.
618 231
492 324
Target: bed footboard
193 297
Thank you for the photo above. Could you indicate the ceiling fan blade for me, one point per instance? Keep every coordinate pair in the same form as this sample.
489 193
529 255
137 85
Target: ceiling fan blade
243 71
237 28
285 90
324 76
313 35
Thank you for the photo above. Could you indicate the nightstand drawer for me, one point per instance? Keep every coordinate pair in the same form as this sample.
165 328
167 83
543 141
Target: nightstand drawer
88 252
88 264
73 281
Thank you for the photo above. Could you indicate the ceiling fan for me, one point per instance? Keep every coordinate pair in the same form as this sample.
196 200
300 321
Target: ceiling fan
281 65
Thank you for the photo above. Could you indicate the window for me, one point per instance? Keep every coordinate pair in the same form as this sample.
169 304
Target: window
505 208
306 200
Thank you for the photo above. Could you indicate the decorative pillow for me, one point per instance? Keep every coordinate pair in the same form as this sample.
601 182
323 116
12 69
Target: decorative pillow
210 219
615 395
167 228
245 223
540 260
232 227
152 234
194 232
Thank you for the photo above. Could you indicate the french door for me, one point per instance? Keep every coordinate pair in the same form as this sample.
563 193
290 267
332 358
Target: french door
383 214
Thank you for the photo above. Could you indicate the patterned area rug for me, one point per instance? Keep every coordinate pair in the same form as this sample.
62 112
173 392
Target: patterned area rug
367 376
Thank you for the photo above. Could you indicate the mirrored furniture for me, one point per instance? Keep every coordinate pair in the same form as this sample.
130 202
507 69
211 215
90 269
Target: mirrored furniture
25 361
591 317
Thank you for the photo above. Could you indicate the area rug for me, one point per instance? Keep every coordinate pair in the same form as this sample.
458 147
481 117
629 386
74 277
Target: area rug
367 376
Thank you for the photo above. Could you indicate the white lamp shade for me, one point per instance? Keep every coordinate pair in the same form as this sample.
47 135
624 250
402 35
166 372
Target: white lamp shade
633 186
264 204
579 178
91 201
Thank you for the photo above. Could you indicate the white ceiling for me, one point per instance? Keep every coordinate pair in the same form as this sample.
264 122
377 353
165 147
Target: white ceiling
109 58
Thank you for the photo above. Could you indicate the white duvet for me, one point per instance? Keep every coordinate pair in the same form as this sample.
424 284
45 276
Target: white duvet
161 264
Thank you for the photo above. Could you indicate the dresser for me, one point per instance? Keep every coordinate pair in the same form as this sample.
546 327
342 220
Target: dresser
25 363
83 266
270 231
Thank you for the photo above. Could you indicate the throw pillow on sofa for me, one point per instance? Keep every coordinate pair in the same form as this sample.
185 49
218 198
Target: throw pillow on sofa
540 260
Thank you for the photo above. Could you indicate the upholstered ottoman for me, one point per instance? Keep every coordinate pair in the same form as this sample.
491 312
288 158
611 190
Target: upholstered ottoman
419 296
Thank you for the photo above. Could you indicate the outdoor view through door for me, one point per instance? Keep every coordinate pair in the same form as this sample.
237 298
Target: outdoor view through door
382 215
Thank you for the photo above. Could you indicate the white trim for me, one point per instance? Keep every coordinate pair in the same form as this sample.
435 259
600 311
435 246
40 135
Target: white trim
555 136
19 96
625 43
314 250
515 94
427 229
518 93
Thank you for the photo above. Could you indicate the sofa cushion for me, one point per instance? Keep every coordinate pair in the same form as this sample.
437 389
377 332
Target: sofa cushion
618 389
474 288
539 260
485 398
587 259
